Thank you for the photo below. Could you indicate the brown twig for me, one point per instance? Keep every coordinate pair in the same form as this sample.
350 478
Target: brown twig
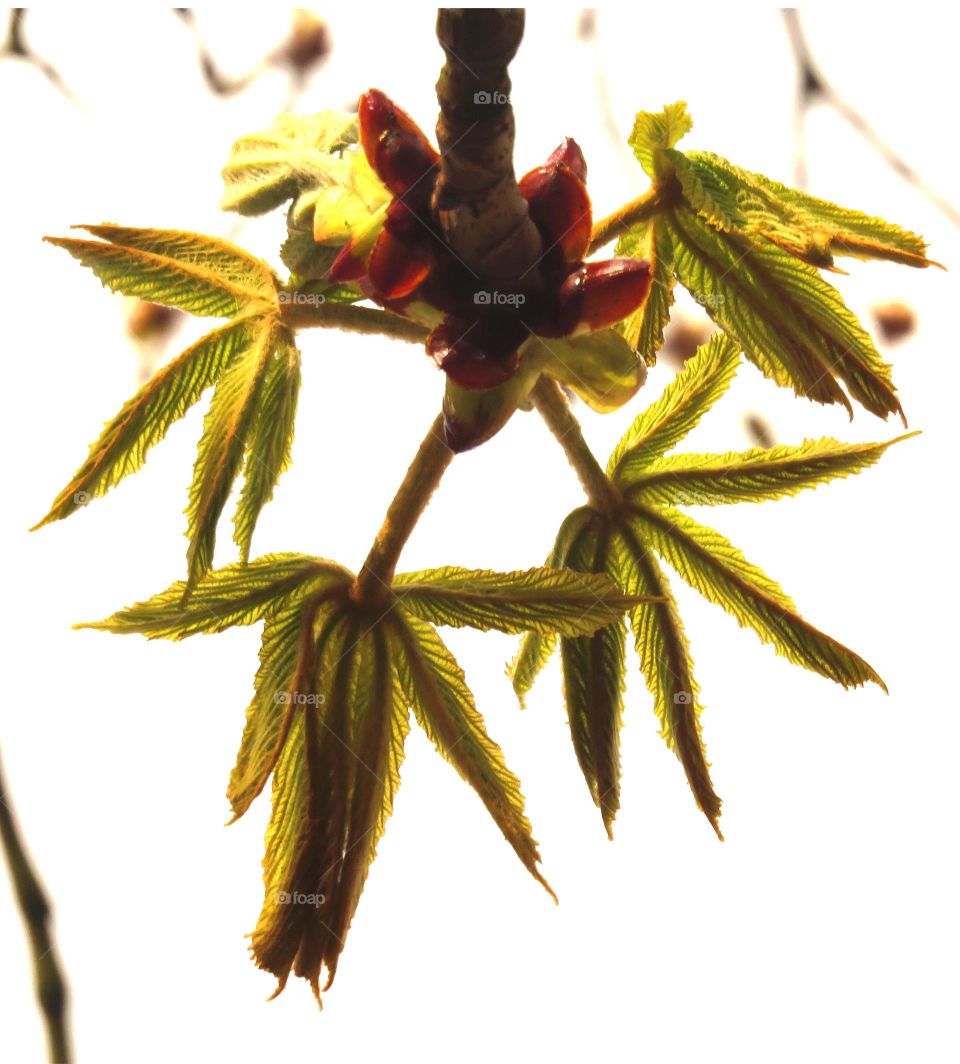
813 87
50 984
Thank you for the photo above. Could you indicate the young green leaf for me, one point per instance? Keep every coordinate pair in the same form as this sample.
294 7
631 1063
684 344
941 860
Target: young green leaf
667 666
792 324
536 648
270 438
223 598
811 229
643 330
286 649
197 273
380 726
226 436
436 690
268 168
539 600
594 669
678 410
308 823
144 420
653 134
714 567
749 476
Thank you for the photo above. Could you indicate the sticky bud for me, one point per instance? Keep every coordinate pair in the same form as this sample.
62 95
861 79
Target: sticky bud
560 208
395 268
570 155
601 293
393 143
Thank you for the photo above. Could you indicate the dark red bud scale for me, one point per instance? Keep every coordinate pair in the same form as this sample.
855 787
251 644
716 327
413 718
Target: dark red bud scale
477 354
560 208
601 293
570 155
395 268
394 144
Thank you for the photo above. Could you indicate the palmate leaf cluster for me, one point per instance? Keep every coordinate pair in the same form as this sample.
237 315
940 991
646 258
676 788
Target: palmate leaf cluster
332 698
629 542
750 250
338 678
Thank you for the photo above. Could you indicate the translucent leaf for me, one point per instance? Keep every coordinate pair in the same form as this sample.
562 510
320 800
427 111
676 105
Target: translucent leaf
684 401
644 329
222 598
380 726
286 632
713 566
601 367
750 476
792 324
268 168
541 600
435 688
306 835
594 668
226 436
654 132
144 420
667 667
200 274
812 229
270 437
536 647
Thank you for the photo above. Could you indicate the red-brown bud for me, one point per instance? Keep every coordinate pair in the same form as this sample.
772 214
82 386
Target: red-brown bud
601 293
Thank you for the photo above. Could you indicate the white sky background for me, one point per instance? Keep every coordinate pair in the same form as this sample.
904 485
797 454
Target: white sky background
824 928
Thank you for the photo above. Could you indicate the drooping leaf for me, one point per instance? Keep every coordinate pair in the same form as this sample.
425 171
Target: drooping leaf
594 668
222 598
713 566
667 666
200 274
643 330
270 438
436 690
288 635
813 229
539 600
749 476
679 409
226 432
308 822
790 322
144 420
536 647
380 726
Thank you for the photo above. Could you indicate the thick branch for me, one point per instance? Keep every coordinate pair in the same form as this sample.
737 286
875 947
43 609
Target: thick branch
483 215
555 411
423 476
50 985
